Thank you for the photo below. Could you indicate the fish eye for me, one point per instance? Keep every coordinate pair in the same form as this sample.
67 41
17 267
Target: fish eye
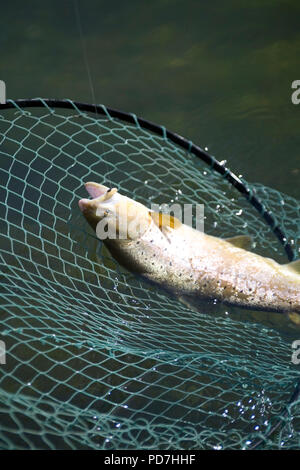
110 192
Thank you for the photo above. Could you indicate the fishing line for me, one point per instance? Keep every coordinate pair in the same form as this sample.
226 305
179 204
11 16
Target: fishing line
88 69
84 52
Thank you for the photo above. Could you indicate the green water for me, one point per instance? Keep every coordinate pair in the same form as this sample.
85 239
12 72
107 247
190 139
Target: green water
218 73
95 339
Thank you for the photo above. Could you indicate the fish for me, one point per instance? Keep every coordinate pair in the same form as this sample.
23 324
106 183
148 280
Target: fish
189 263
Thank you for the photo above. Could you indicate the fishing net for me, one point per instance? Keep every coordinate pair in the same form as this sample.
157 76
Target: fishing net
96 358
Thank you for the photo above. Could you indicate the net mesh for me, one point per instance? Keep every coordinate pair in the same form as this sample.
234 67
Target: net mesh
95 357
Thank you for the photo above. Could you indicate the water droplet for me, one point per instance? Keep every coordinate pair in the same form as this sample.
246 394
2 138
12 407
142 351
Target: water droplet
218 447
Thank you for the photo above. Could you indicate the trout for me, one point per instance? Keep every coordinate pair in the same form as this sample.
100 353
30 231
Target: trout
187 262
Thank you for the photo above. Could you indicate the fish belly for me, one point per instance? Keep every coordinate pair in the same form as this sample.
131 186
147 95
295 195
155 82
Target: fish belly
187 262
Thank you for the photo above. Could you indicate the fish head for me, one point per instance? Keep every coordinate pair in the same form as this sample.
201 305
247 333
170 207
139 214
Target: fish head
112 215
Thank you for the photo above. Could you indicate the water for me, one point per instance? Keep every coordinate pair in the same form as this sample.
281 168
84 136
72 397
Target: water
218 73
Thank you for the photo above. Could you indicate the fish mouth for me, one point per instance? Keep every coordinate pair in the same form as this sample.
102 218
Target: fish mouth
96 191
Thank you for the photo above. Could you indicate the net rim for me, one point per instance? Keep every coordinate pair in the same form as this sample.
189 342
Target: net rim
210 160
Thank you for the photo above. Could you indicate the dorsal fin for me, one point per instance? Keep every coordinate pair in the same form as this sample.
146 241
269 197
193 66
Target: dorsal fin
240 241
294 266
165 221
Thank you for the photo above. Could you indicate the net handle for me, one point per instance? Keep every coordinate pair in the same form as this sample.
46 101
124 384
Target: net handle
167 135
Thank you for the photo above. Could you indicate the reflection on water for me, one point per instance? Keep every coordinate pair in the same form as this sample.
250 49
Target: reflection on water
217 73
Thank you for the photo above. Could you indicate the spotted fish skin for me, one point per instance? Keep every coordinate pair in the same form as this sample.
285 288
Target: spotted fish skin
190 263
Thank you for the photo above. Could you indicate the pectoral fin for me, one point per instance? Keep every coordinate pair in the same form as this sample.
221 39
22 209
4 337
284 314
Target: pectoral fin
294 266
165 221
295 318
240 241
